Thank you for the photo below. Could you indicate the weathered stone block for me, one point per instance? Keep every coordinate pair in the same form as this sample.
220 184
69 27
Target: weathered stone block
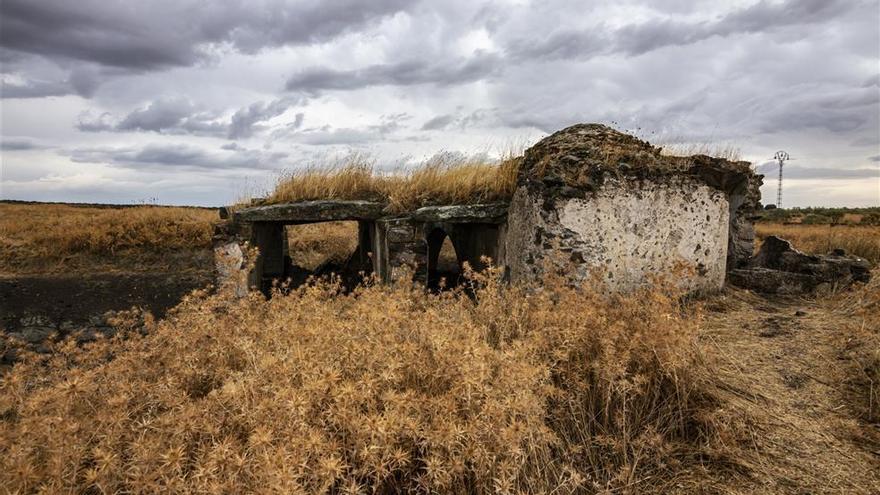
611 203
480 213
400 232
311 211
778 268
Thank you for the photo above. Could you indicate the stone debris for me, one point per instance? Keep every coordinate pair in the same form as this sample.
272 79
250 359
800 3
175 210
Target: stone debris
778 268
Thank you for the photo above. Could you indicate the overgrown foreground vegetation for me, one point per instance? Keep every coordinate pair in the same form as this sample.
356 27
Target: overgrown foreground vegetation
47 237
446 178
386 389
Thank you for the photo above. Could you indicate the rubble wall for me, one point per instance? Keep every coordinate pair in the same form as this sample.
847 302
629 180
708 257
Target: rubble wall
626 230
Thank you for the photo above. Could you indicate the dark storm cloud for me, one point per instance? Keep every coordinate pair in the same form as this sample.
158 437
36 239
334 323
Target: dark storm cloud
34 89
479 117
165 33
244 120
842 111
180 116
758 74
82 81
20 144
385 130
158 116
569 44
438 122
184 156
638 39
406 73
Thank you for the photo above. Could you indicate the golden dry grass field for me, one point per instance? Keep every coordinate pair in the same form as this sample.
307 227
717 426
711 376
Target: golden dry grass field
45 238
391 389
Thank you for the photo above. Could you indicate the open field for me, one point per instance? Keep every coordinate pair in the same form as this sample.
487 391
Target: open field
860 240
45 238
392 389
823 216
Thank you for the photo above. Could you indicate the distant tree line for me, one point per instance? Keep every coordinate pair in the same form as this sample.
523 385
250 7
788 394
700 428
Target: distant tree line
822 216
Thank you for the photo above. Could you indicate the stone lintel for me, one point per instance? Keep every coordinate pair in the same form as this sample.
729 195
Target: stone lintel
480 213
311 211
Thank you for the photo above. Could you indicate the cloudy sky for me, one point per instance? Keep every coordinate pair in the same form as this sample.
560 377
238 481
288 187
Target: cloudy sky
200 102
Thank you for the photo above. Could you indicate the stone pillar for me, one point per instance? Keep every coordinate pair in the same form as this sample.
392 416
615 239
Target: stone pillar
400 243
230 259
745 201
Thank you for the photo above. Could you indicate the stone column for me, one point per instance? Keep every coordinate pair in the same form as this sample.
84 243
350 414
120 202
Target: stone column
401 244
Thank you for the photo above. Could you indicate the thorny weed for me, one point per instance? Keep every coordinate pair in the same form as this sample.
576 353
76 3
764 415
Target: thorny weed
384 389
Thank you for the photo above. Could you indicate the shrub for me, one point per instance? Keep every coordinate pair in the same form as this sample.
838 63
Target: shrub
815 219
385 389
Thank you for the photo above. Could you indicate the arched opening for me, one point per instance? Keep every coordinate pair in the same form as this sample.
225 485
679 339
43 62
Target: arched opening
444 266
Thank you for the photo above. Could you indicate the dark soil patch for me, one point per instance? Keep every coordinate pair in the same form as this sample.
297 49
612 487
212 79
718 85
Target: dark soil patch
65 302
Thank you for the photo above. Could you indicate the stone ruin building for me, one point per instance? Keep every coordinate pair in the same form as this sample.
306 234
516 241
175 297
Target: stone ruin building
591 198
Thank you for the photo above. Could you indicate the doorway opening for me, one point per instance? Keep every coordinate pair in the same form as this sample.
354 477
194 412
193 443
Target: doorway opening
444 266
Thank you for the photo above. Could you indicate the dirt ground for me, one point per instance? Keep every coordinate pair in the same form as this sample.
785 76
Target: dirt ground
781 366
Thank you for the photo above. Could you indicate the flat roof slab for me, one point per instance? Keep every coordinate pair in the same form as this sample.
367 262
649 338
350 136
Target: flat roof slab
480 213
312 211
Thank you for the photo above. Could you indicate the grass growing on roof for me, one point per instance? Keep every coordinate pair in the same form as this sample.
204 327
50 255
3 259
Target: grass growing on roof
446 178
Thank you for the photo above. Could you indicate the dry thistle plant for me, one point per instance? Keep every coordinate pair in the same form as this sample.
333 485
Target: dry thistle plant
386 389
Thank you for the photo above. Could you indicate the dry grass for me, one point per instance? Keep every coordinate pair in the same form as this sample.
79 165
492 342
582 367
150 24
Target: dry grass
444 179
52 237
861 341
681 149
860 240
783 379
387 389
860 346
311 245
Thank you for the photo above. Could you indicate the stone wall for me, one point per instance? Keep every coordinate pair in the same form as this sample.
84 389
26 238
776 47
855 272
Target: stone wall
410 244
399 247
626 230
598 201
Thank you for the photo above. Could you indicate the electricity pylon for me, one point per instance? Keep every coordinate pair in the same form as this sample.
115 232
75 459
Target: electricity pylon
781 157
